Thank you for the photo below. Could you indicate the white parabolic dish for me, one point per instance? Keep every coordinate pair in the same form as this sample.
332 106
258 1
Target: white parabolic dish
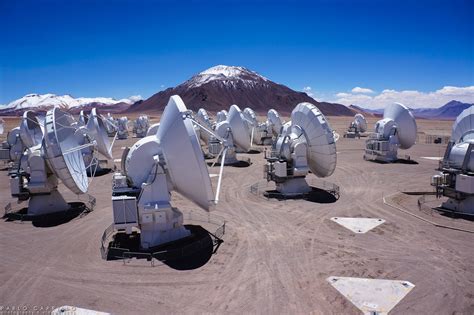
59 138
321 149
97 130
183 155
361 122
240 130
406 124
31 133
275 120
463 127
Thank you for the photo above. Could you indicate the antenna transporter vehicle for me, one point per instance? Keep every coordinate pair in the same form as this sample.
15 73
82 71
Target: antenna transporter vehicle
456 178
396 130
154 166
306 143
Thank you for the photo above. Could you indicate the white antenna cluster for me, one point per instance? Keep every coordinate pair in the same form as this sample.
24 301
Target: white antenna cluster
456 177
262 132
396 130
306 143
229 136
59 149
169 160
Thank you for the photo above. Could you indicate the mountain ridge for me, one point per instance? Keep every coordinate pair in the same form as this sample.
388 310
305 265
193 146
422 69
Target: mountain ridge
221 86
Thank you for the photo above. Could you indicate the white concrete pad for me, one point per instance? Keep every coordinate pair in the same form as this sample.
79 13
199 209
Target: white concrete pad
358 225
213 175
117 160
372 296
434 158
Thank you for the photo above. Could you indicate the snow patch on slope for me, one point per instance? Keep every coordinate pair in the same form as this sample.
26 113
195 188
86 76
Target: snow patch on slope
226 75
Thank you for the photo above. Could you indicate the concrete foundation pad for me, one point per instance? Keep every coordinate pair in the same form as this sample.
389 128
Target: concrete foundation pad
358 225
372 296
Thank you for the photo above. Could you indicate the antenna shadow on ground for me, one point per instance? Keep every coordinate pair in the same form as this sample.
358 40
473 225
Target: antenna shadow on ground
316 195
78 209
189 253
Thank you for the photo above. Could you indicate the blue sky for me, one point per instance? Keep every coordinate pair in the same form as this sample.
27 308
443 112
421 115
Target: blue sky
122 48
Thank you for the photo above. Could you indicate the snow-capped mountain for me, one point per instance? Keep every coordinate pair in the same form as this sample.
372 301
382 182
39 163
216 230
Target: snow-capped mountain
226 75
43 102
221 86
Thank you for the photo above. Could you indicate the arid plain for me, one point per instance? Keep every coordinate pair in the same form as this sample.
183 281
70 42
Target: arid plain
276 255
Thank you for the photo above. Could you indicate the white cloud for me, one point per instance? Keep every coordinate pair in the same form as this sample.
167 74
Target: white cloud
410 98
135 98
360 90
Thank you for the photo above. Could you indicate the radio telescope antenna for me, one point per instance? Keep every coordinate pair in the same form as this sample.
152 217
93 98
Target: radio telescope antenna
31 132
456 178
12 149
140 126
396 130
221 116
83 119
262 133
98 132
307 143
153 129
110 125
356 127
122 128
274 121
235 133
171 159
203 119
58 156
2 126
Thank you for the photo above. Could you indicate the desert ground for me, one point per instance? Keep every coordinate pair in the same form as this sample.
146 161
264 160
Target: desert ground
276 255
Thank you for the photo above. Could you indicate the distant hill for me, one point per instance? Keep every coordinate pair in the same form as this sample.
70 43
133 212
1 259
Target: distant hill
42 102
448 111
221 86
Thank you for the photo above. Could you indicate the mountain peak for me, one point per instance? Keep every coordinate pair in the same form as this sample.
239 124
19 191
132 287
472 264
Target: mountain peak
224 73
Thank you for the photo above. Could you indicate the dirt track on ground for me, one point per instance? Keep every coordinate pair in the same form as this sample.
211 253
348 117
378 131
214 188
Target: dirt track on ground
276 255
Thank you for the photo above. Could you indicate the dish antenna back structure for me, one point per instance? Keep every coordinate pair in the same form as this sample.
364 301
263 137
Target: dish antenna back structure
274 121
262 133
95 132
230 135
110 125
356 127
122 128
154 166
140 126
456 178
221 116
83 119
28 134
396 130
153 129
307 144
57 156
